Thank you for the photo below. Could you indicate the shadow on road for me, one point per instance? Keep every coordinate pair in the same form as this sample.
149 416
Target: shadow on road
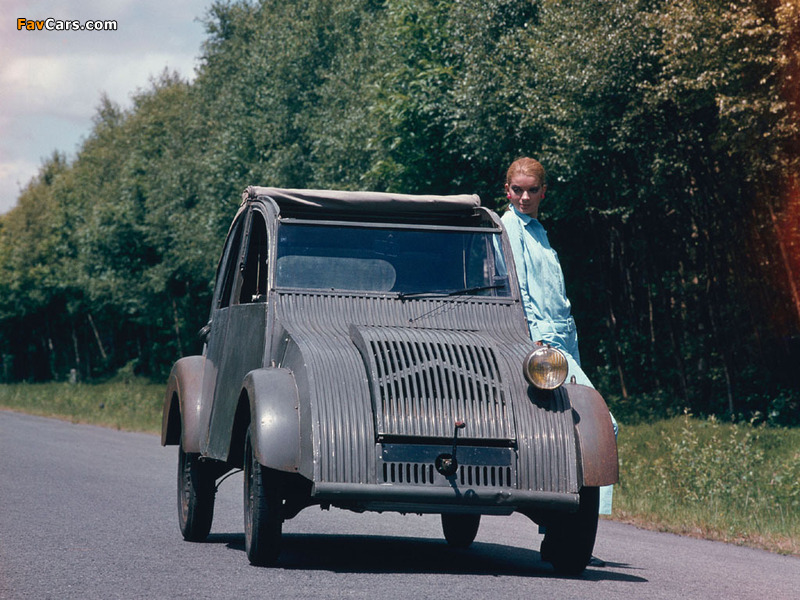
386 554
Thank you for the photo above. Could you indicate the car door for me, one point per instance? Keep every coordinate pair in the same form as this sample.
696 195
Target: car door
244 320
213 333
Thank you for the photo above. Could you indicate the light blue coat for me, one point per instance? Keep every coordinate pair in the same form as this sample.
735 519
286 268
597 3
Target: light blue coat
541 284
544 298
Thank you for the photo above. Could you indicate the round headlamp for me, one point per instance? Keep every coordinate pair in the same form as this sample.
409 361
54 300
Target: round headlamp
545 367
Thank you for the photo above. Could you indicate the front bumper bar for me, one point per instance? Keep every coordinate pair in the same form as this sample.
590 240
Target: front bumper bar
418 499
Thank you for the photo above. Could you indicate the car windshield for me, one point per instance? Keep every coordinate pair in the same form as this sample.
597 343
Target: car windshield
411 262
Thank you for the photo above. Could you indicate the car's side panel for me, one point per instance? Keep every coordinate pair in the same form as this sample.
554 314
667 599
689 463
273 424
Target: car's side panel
243 352
597 446
275 418
185 387
215 345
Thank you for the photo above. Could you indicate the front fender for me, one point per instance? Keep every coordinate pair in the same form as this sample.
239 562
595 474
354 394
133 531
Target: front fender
182 404
275 418
597 445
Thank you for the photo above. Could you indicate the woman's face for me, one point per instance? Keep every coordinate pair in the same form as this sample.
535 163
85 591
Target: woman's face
526 192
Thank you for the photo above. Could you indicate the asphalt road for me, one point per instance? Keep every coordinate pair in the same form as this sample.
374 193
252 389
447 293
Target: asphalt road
87 512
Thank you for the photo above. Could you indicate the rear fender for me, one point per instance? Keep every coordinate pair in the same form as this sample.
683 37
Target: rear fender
275 418
182 404
597 446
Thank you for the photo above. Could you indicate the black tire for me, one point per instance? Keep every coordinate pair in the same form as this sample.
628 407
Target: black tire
263 519
569 540
196 494
460 530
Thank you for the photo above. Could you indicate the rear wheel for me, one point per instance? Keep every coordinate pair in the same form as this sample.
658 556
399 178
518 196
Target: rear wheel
569 540
263 519
460 530
196 493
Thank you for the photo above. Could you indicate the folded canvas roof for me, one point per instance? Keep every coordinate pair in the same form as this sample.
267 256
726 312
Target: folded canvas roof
347 204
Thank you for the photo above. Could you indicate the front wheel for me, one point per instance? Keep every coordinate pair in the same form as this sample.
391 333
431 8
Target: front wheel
263 504
196 494
460 530
569 540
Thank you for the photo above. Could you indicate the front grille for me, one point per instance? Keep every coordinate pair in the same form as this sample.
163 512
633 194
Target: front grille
413 473
413 464
466 475
424 381
483 476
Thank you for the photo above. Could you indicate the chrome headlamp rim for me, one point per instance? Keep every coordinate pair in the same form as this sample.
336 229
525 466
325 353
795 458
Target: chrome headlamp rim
545 367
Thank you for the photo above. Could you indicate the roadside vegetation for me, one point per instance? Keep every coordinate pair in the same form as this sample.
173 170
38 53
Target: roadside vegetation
669 130
130 405
737 483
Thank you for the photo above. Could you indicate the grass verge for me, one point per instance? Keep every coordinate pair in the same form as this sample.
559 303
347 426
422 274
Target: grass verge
131 406
729 482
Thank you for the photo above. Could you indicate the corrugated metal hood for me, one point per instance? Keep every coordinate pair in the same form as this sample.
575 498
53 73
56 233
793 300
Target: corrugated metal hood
374 371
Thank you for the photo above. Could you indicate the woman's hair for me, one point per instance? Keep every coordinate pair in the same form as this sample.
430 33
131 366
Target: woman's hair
527 166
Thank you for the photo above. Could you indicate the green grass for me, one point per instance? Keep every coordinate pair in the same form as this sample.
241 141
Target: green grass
731 482
132 406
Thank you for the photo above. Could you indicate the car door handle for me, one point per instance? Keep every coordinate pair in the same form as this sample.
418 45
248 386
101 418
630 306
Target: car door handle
204 331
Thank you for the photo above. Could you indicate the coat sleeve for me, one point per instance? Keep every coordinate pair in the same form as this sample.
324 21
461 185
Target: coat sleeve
515 233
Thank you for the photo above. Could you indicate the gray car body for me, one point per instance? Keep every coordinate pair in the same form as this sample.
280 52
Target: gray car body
356 394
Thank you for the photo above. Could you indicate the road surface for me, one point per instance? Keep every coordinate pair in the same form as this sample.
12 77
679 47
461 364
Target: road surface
88 512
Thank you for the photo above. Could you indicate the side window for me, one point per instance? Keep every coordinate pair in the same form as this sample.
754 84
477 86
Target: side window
254 273
229 268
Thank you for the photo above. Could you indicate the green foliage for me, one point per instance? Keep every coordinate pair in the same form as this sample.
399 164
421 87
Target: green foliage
737 482
669 130
129 404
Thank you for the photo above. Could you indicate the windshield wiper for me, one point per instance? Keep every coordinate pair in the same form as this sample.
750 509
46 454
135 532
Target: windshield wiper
464 292
475 290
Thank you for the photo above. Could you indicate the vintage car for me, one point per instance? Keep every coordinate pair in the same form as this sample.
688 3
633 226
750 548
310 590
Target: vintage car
369 351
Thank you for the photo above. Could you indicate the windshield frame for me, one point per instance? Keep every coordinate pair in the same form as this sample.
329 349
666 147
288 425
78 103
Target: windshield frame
493 286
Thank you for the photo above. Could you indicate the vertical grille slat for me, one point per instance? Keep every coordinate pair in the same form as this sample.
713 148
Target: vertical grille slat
425 380
466 476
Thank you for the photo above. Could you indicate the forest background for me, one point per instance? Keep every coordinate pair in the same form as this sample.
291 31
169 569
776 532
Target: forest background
670 131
